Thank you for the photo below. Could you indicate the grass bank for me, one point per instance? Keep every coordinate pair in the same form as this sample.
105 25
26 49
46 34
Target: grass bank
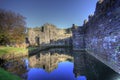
12 50
4 75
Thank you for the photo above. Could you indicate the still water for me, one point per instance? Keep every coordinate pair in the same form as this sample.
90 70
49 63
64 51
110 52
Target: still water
60 64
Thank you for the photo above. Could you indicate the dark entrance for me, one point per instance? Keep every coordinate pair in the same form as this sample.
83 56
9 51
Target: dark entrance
37 39
26 40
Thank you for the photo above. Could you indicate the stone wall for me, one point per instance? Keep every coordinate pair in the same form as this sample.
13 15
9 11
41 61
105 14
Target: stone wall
102 33
48 34
77 37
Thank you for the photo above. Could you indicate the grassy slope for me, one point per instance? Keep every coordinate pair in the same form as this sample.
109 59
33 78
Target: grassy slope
7 50
4 75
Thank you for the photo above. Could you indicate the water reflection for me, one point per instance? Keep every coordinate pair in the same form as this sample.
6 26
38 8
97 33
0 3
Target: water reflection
64 71
49 60
85 64
61 64
16 66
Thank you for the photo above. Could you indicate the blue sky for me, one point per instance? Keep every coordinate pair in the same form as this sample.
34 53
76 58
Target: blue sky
62 13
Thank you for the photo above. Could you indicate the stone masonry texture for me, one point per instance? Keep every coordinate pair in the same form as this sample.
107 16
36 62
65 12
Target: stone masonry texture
102 33
49 34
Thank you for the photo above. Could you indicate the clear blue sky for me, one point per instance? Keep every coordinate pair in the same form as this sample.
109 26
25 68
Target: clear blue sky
62 13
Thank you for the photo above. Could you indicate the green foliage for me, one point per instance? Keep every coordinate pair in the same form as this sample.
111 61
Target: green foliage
3 39
4 75
12 27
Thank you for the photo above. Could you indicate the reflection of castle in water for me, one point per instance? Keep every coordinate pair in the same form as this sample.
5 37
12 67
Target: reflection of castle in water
50 59
84 64
87 65
16 66
79 64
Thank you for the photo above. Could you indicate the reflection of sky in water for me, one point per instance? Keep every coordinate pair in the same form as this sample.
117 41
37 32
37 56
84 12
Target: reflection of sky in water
26 63
64 71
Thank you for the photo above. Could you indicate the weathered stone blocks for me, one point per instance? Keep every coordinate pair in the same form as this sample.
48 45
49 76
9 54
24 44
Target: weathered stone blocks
49 34
102 33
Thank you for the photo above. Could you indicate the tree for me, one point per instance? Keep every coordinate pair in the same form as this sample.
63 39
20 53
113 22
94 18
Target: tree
12 27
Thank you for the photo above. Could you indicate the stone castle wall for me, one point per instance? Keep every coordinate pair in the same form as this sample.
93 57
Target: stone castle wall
102 33
48 34
78 37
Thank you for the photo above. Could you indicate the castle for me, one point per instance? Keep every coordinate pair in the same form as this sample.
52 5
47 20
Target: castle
100 34
49 34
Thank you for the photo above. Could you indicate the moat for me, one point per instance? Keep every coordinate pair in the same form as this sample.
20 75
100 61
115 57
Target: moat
60 64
